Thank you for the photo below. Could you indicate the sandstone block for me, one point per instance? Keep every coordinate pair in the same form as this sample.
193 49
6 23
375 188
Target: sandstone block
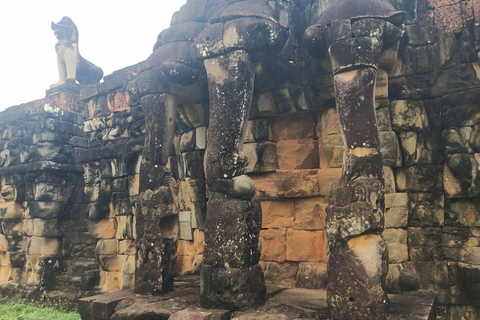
3 243
306 245
293 127
281 273
112 263
129 266
329 123
102 229
384 119
393 281
11 210
332 147
257 130
134 184
262 156
12 227
124 227
277 214
425 244
420 34
297 154
389 177
426 209
107 247
397 245
126 247
49 192
183 264
198 241
111 281
43 227
311 275
186 248
46 210
462 212
325 178
419 178
390 148
273 244
7 193
43 246
310 213
396 210
286 184
409 116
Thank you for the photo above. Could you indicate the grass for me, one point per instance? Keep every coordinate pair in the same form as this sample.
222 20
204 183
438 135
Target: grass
21 311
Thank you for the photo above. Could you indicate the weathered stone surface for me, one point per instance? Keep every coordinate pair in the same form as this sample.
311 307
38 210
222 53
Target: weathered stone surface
102 229
293 128
297 154
286 184
312 275
262 157
310 214
278 213
397 245
219 291
426 209
396 210
419 179
424 244
43 246
273 244
409 116
306 245
232 240
102 306
200 314
280 273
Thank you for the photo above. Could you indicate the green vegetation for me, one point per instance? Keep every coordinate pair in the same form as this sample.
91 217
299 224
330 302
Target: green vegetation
21 311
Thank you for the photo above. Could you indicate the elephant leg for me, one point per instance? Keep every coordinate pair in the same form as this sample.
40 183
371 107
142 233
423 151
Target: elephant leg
231 277
157 217
357 265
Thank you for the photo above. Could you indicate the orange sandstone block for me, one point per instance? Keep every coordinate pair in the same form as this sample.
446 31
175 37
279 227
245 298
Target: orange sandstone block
273 244
277 214
298 154
310 213
306 245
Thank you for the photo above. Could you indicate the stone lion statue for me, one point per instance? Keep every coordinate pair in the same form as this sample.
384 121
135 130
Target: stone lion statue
72 66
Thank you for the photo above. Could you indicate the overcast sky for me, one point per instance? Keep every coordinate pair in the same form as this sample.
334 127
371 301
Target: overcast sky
113 34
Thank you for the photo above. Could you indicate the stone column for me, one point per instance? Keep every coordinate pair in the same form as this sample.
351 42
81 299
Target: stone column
231 277
157 217
357 253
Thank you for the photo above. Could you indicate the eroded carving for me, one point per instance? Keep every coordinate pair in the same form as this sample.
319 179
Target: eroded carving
355 33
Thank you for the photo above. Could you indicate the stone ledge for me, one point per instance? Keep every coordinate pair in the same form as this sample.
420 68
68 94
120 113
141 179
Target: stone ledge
101 306
282 303
417 305
40 166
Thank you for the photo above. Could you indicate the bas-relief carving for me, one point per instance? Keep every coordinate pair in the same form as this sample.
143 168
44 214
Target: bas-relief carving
72 66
